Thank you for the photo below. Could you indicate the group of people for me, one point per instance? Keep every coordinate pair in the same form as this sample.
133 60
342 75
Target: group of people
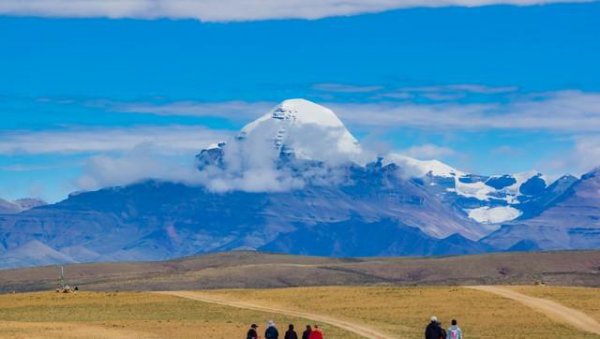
271 332
434 330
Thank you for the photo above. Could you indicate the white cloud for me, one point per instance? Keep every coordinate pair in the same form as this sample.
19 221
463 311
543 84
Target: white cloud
345 88
563 111
506 150
250 166
29 168
239 110
583 157
587 153
247 170
174 138
428 151
121 155
231 10
145 161
464 88
446 92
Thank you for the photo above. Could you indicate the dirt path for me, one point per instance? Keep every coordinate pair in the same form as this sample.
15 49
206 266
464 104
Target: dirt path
553 310
359 329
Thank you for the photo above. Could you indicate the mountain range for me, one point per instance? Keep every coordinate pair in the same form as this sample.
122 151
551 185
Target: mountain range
296 181
20 205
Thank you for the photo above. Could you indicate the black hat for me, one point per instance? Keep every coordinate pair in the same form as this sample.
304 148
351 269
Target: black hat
254 326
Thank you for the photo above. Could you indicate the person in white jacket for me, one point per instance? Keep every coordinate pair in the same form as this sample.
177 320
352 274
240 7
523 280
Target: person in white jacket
454 332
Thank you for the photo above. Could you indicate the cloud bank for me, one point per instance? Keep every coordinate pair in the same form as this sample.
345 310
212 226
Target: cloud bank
250 164
562 111
231 10
568 111
116 156
235 110
173 138
428 151
584 157
144 161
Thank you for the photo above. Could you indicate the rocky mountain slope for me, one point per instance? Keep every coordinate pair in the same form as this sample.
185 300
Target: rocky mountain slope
20 205
571 221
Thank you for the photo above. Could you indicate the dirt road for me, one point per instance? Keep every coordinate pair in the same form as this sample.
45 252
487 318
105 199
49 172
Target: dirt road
553 310
359 329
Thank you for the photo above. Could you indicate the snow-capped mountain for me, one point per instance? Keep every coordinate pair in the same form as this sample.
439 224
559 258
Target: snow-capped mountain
296 129
493 199
572 220
295 180
305 138
303 129
485 199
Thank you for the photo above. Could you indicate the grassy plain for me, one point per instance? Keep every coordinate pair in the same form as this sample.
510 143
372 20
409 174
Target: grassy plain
401 312
404 311
581 298
127 315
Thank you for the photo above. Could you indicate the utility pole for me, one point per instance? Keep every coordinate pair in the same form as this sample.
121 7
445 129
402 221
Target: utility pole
61 279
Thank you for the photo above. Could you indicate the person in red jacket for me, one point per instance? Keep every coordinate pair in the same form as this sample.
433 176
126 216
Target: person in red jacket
316 333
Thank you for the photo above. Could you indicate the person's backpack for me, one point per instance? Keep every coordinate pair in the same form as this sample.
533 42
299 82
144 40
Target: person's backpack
453 333
271 333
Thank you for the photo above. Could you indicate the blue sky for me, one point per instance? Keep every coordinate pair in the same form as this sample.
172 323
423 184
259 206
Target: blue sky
491 89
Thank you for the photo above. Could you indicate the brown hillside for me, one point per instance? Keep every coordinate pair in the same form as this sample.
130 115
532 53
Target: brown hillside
260 270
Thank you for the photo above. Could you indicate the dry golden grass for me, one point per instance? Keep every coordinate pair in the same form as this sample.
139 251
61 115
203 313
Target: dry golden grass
404 311
580 298
399 311
127 315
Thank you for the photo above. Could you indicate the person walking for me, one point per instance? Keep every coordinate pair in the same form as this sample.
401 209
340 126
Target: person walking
252 334
271 331
454 332
433 329
306 333
316 333
291 334
443 334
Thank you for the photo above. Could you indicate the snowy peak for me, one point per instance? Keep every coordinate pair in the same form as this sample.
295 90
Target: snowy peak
421 168
304 129
299 111
296 129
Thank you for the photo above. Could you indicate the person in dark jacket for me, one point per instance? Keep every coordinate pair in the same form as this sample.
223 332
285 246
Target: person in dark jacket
271 332
291 334
444 334
306 333
433 330
252 334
